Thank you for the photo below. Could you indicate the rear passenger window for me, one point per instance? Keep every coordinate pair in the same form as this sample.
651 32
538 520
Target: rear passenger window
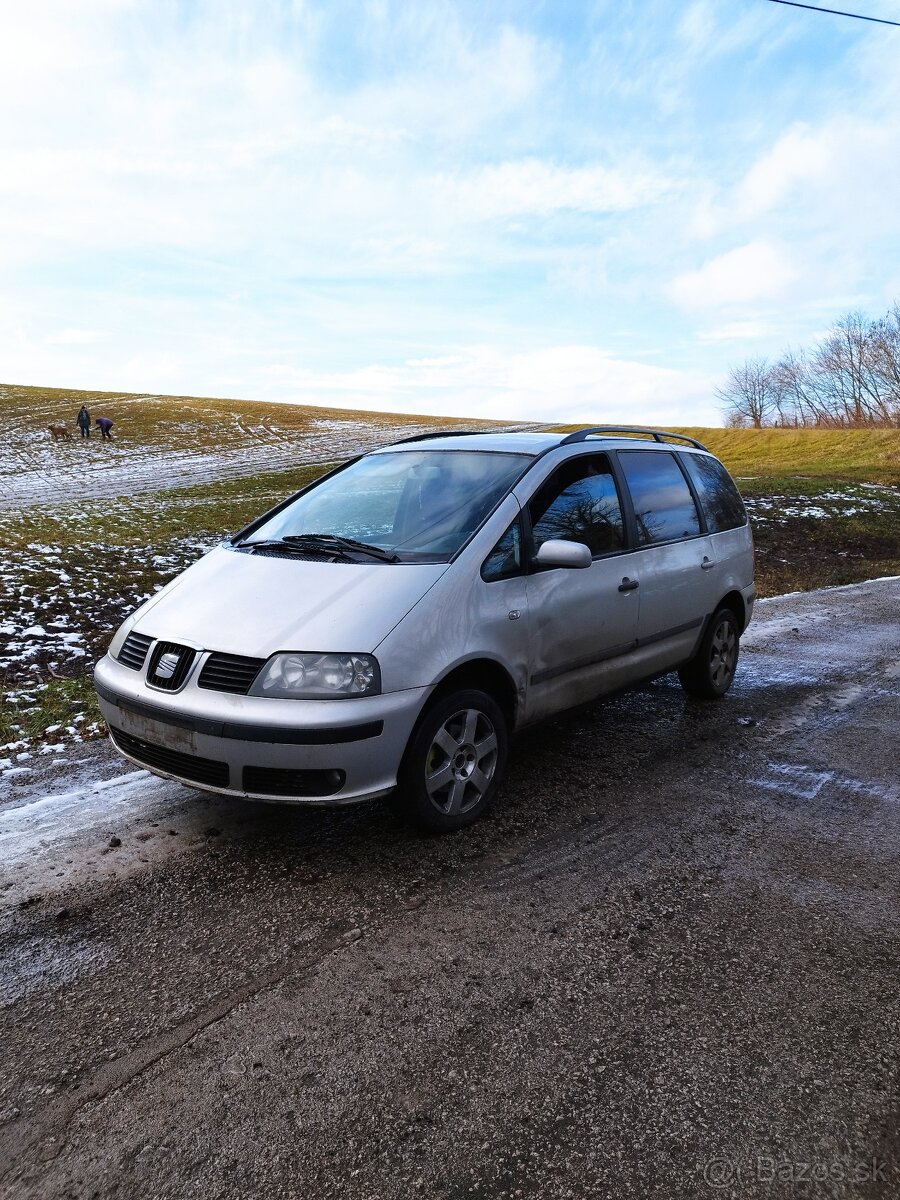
719 498
579 503
663 504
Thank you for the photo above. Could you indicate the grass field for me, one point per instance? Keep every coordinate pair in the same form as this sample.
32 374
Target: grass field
87 530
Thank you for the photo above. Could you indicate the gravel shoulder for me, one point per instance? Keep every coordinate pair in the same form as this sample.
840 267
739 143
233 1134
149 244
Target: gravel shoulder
665 966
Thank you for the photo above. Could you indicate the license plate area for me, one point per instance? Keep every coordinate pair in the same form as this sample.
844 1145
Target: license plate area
158 733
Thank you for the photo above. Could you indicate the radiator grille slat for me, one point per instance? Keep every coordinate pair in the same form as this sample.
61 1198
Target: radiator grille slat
229 673
134 650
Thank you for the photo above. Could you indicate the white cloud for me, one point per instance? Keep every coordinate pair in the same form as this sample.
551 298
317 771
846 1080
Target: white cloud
551 384
541 188
759 270
74 337
737 331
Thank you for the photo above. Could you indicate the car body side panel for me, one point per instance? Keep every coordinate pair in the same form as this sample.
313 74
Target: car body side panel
582 634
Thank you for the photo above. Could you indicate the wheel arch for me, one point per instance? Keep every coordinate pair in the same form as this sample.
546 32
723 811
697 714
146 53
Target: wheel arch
485 674
735 601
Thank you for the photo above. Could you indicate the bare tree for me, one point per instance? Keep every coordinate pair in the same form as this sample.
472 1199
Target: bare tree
886 360
749 394
851 378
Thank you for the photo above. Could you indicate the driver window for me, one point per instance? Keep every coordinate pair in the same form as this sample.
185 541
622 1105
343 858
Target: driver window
580 503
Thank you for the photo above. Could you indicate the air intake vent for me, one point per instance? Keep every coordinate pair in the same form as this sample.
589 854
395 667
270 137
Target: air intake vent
278 781
292 552
229 673
173 762
169 666
134 650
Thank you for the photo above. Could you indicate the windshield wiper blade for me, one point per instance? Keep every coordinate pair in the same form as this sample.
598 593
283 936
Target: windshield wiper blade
337 542
287 546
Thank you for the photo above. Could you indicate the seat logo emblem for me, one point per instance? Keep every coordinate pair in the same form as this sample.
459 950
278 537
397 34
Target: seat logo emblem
166 666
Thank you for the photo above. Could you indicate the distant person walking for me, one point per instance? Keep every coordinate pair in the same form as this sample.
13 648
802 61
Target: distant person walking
104 424
83 421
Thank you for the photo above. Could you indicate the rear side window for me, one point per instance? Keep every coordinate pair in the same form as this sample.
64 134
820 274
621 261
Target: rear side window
663 505
719 498
579 503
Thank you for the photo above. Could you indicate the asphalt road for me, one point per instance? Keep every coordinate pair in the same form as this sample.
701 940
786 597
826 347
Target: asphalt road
667 966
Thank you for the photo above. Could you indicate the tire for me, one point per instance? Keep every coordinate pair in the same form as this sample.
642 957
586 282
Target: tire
454 762
710 672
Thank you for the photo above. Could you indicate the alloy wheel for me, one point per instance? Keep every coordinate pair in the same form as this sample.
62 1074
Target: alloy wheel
461 761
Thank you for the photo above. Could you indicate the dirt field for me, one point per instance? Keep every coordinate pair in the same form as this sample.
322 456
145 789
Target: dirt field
666 966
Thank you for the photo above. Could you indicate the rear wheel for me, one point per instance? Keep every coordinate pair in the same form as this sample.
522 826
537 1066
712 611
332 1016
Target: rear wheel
710 672
454 761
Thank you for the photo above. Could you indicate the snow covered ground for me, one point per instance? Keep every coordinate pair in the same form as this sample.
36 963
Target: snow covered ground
36 469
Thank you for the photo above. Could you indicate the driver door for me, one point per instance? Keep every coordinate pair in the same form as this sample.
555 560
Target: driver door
582 622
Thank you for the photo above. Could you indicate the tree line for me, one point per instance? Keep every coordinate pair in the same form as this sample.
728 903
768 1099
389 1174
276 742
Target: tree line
850 379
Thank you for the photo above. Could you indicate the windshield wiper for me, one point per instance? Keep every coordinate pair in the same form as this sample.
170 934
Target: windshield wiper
334 541
286 546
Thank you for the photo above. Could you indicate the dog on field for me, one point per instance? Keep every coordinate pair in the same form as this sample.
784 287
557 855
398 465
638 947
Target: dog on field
59 431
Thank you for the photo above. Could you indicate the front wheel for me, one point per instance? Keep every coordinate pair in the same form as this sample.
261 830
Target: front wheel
710 672
454 761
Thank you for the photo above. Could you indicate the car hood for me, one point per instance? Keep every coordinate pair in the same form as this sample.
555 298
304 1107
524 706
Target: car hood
251 604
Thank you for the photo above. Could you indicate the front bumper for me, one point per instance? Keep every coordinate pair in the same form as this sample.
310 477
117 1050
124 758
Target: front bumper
286 751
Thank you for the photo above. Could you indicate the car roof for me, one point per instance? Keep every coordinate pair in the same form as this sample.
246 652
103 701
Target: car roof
533 444
502 442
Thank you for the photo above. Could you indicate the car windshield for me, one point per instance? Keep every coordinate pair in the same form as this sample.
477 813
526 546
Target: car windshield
419 506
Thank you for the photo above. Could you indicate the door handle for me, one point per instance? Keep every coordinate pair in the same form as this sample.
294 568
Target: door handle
628 585
707 564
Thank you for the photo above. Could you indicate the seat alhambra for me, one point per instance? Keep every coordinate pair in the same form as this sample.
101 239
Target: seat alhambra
388 627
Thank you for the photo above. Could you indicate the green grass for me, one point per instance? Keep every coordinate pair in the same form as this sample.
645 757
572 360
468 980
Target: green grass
205 423
206 510
864 455
49 712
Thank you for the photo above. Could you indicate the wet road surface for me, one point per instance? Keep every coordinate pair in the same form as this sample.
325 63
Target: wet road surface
667 965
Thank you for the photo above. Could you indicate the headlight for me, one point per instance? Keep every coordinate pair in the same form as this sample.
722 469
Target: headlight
318 677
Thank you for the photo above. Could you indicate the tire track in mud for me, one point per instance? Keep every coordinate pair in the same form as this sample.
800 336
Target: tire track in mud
22 1135
45 1135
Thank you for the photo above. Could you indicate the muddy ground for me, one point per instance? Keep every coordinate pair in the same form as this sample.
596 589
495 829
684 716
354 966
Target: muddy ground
667 966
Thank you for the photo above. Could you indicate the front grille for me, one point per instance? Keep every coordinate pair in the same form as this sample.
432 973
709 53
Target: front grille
277 781
186 766
134 650
169 666
229 673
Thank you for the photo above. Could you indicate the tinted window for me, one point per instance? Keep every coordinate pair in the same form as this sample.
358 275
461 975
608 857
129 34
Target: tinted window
663 504
722 505
579 503
506 557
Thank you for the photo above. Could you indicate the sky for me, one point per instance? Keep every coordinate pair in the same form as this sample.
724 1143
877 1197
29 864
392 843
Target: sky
547 211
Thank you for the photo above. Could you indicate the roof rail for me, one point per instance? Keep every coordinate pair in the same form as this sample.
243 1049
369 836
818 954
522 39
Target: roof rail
440 433
658 435
463 433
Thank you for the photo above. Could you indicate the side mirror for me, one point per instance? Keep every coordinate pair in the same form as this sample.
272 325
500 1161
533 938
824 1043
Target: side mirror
557 553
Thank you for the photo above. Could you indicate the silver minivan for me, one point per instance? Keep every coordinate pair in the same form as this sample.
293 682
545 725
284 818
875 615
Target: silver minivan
389 626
